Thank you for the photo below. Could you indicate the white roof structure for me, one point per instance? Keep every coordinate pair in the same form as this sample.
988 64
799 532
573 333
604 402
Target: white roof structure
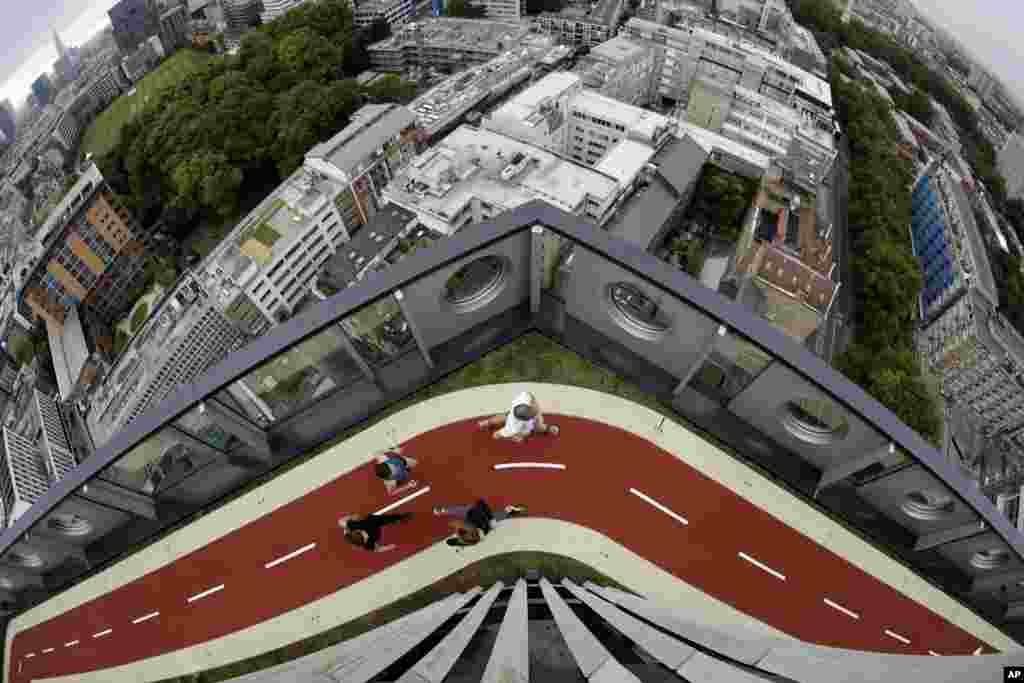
625 160
496 170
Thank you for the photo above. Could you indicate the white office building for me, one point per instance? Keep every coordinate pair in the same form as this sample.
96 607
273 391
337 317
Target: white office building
272 9
274 253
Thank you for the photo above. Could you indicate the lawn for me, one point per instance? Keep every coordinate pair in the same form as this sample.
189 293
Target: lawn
105 131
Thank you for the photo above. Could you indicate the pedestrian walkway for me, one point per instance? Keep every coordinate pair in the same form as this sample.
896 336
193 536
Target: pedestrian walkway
639 498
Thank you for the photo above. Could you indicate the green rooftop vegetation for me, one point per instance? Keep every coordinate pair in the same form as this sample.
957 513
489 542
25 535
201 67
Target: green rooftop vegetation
262 232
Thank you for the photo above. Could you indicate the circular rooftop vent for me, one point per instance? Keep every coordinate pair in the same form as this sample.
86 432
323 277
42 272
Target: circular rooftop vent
990 559
25 558
477 283
816 421
635 312
70 525
928 506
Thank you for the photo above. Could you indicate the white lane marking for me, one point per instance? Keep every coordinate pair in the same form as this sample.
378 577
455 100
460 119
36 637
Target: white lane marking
47 650
933 653
71 644
30 654
835 605
208 591
530 465
647 499
979 650
761 565
103 633
145 617
285 558
897 636
389 508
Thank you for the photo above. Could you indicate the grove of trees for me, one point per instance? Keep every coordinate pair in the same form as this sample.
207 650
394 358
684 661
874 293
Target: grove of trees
246 120
823 18
881 357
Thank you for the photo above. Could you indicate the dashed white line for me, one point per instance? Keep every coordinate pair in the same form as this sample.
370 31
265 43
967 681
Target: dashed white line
208 591
647 499
103 633
761 565
837 606
530 465
30 655
293 554
71 643
893 634
933 653
47 650
397 503
145 617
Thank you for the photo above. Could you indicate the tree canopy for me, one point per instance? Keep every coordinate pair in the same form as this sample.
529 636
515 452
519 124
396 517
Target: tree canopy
246 118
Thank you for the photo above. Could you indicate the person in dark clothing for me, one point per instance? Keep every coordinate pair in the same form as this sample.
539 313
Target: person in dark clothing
472 522
364 531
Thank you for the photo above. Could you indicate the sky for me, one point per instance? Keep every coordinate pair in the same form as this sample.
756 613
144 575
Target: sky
989 30
27 36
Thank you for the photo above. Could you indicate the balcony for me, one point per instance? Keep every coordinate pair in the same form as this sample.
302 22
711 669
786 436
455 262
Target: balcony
699 359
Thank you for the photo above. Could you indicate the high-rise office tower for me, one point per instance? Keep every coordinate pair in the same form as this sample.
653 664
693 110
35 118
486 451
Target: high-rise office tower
134 21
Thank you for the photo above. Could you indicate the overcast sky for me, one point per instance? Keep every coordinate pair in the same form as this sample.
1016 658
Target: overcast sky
990 30
26 34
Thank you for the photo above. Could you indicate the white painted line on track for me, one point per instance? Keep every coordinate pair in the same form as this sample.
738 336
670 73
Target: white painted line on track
897 636
71 644
145 617
933 653
285 558
647 499
837 606
979 650
30 654
530 466
389 508
761 565
47 650
208 591
103 633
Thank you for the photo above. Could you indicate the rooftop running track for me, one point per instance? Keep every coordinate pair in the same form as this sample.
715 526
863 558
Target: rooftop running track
607 479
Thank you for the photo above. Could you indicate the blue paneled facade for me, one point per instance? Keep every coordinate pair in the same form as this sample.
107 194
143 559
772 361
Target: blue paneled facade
939 267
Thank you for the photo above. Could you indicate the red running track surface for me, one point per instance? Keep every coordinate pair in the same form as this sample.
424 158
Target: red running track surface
456 461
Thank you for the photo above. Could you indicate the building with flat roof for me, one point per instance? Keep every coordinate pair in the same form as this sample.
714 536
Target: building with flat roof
754 15
134 21
395 12
691 52
1010 160
558 114
272 9
582 23
620 68
475 174
446 43
947 242
67 131
445 106
784 263
367 250
664 188
979 359
186 334
274 253
174 29
93 255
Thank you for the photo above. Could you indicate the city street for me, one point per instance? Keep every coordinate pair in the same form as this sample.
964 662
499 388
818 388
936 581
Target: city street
832 336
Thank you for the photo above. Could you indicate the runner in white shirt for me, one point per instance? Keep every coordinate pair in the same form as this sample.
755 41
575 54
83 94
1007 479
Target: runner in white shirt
522 420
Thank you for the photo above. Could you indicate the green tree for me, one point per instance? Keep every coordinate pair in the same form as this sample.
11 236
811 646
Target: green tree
391 88
206 178
307 52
